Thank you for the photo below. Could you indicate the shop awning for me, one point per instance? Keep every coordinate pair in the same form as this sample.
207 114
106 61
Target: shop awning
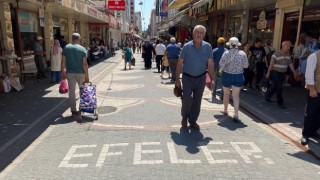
177 4
136 36
200 3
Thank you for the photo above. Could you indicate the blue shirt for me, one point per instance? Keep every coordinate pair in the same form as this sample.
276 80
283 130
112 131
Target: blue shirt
195 60
173 51
74 54
217 53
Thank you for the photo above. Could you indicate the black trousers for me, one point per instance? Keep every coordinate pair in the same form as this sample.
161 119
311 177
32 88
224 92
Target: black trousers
248 77
312 116
159 61
147 62
277 80
261 66
39 65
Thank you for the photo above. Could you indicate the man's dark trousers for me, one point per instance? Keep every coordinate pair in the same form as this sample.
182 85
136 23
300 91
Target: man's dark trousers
193 88
312 116
159 61
277 79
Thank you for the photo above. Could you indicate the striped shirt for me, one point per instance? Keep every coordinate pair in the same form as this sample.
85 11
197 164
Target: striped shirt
281 61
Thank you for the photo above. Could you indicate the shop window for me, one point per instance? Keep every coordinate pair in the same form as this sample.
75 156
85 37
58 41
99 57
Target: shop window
262 23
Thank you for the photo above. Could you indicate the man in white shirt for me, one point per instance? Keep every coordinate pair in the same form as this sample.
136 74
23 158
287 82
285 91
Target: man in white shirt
160 49
312 114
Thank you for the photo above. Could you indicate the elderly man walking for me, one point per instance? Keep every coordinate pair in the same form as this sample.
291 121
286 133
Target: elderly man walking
280 61
172 53
195 59
75 61
312 111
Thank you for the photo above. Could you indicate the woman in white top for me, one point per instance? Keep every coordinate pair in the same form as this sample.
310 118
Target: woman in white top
55 57
232 63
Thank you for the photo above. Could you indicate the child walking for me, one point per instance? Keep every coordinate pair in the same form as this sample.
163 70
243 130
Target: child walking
165 68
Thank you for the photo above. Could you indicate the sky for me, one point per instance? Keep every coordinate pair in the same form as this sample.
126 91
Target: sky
147 6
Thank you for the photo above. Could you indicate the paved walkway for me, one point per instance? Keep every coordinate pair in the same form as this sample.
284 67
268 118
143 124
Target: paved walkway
138 136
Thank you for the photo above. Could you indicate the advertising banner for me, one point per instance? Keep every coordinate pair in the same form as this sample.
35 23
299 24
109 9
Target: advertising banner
117 5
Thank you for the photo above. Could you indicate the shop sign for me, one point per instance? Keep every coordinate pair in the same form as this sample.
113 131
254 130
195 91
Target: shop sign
28 22
163 14
41 17
92 12
117 5
55 21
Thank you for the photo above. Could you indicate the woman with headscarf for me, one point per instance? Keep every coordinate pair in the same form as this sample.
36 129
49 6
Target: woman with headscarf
55 57
232 64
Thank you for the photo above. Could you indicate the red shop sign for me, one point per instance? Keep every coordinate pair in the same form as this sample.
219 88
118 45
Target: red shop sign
118 5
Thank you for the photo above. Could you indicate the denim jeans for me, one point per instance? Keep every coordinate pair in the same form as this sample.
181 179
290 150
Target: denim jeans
217 84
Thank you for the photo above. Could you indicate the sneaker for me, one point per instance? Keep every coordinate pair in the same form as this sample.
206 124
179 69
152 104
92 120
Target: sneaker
184 123
304 140
287 85
194 125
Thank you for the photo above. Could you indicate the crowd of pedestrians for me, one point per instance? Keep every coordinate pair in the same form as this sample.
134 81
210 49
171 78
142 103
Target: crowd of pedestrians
230 67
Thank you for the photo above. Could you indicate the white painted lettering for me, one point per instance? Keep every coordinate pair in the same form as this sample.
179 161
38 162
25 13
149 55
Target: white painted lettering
71 154
245 153
138 153
174 158
209 156
105 152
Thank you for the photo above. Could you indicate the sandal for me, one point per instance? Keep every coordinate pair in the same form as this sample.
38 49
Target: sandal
236 119
224 113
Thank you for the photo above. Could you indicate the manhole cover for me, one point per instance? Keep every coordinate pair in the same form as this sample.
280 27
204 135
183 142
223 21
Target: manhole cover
106 109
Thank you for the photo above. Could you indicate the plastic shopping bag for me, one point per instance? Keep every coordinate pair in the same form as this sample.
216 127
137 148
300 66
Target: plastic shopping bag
63 88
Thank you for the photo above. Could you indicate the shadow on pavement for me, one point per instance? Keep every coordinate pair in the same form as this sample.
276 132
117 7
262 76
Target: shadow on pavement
304 157
227 122
190 138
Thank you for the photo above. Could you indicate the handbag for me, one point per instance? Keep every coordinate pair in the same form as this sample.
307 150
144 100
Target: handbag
265 84
63 88
133 61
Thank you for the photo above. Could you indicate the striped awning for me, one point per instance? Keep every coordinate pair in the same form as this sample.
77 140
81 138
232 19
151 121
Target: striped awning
178 4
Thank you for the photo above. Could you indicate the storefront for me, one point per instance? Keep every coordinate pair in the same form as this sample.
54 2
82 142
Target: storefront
310 22
262 23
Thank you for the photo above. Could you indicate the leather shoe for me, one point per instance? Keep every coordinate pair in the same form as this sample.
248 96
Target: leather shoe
194 125
304 140
184 123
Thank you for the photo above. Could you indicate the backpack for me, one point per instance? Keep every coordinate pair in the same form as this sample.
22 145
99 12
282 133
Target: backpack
269 55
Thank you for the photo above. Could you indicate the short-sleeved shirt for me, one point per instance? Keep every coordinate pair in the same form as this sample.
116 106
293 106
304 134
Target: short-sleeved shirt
160 48
173 51
258 53
233 61
217 53
74 54
38 49
281 61
128 53
195 60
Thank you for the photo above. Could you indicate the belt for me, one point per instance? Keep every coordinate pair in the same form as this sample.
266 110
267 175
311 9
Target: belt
186 74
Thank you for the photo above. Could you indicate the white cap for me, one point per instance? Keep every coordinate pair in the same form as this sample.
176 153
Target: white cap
233 41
